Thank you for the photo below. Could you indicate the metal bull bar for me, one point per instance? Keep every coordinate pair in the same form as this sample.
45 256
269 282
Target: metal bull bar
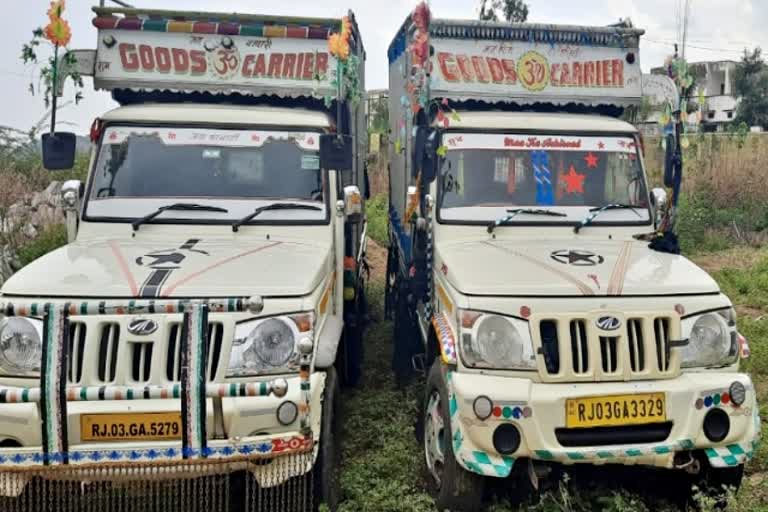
194 459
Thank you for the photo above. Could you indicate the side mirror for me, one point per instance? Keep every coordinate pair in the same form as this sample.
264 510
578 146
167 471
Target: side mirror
426 143
59 150
353 203
71 192
336 152
659 203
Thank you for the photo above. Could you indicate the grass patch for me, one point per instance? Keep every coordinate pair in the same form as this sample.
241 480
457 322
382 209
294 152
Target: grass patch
376 209
50 239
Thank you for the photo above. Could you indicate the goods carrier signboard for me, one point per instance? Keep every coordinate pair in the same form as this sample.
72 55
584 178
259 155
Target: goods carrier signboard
531 72
145 60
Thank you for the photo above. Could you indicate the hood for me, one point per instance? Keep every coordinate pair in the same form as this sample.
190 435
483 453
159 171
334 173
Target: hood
561 268
233 267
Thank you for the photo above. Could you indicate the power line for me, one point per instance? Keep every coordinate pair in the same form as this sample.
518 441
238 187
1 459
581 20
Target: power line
671 43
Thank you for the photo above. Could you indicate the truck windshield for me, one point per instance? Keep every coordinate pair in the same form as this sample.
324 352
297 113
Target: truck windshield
484 174
141 169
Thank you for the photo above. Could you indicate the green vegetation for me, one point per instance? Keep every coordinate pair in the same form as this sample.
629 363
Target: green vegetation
48 240
376 209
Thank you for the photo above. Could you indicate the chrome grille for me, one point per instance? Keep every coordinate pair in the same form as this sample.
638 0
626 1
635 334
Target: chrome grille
573 347
109 341
173 358
77 335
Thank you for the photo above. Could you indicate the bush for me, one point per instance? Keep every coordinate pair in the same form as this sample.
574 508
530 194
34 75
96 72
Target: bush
377 209
50 239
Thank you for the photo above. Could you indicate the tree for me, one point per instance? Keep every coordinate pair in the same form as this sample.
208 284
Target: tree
751 84
514 11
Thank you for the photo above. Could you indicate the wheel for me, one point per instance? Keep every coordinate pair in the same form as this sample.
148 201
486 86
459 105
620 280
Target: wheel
453 487
327 489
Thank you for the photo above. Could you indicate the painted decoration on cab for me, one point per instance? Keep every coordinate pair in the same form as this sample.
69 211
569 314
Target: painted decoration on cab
544 191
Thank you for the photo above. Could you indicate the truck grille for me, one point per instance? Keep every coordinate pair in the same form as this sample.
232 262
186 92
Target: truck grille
173 361
576 349
101 352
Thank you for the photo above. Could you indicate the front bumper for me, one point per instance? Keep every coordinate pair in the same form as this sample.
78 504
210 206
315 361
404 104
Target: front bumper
251 432
545 405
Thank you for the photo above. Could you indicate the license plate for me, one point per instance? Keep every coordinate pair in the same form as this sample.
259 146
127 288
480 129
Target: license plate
130 427
617 410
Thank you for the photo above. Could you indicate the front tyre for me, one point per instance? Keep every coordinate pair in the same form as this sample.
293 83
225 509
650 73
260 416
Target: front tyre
453 487
327 489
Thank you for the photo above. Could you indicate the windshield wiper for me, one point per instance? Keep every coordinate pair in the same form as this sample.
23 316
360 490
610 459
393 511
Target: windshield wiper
273 206
594 212
511 214
181 207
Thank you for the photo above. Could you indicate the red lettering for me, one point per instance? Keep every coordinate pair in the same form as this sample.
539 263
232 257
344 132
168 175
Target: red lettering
247 63
147 57
199 64
481 69
618 73
321 62
578 76
289 63
448 67
261 66
565 74
598 74
128 57
589 74
510 73
309 61
497 72
163 59
554 74
300 66
465 68
275 64
606 65
180 60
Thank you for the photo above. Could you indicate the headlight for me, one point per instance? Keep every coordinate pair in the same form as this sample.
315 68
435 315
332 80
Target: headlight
711 342
268 345
494 341
21 348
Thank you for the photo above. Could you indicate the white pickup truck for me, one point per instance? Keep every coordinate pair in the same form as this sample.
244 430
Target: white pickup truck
552 333
196 328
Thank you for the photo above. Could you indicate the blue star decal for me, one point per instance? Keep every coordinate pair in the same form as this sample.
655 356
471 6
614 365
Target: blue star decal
114 455
96 456
171 453
264 447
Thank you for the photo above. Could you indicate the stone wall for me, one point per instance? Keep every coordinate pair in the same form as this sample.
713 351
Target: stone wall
23 221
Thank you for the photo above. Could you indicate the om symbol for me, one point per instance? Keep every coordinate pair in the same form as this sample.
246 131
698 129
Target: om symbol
225 61
533 71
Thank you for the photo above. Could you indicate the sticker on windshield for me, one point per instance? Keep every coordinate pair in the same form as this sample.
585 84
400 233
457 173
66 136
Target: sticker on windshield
310 162
225 138
519 142
501 169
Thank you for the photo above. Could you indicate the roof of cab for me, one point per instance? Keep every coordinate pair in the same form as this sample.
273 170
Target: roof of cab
532 121
217 114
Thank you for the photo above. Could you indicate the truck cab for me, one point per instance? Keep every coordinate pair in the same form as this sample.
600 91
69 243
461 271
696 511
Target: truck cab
551 331
206 309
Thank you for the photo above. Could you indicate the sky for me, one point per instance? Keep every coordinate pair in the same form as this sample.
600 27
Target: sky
718 30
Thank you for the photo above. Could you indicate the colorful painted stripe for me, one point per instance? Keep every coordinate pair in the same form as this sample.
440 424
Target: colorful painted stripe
619 274
445 337
253 29
53 403
15 395
220 450
127 307
306 395
193 396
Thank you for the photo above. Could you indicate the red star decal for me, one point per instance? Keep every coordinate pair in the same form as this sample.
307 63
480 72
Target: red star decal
600 145
574 181
591 160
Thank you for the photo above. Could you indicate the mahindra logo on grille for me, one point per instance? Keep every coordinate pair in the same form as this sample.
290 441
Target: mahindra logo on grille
142 327
608 323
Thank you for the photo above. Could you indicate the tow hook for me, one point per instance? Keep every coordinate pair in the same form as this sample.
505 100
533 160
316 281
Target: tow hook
687 462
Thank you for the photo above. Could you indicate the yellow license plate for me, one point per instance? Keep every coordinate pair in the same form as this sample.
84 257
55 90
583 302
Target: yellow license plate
130 427
617 410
